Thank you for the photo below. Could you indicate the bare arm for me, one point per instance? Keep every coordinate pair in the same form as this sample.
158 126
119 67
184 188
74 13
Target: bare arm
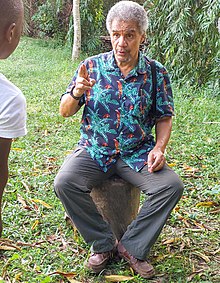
69 105
156 159
5 145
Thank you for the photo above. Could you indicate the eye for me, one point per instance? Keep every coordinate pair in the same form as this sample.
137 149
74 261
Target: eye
116 35
129 36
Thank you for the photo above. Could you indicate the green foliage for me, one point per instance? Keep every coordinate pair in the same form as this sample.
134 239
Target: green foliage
54 19
49 21
91 13
184 36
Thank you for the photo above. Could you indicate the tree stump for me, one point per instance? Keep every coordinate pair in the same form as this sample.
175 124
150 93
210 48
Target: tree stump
118 202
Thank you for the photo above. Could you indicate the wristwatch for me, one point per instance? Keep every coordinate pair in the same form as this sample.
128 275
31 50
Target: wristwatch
73 96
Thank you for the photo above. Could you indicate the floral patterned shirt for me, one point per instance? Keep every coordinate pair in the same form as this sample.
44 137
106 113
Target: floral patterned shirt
118 117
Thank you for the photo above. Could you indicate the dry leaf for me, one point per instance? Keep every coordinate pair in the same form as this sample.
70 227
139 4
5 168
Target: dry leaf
17 277
16 149
9 248
8 245
207 204
172 164
42 202
66 274
26 186
182 246
161 257
118 278
190 169
171 241
190 278
204 257
23 202
31 245
35 224
215 211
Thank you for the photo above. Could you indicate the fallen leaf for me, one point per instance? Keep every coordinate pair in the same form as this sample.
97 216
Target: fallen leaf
26 186
118 278
190 278
190 169
31 245
65 244
16 149
171 241
161 257
66 274
206 204
215 252
182 246
8 245
23 202
214 211
36 223
204 257
42 202
172 164
201 226
17 277
9 248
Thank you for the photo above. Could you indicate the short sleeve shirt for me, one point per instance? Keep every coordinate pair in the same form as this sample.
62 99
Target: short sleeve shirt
12 110
118 117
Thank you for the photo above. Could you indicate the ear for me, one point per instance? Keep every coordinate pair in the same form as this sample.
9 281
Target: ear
10 32
143 38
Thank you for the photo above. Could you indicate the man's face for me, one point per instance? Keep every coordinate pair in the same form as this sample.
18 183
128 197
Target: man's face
126 39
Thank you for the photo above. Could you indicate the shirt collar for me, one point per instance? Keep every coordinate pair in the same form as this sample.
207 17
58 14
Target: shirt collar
110 61
141 67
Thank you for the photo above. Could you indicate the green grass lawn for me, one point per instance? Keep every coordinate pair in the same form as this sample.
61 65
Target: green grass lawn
37 242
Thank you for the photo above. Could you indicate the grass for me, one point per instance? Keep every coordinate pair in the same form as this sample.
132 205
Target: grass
37 242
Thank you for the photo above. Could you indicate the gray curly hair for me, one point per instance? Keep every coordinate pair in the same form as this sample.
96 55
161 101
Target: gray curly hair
128 11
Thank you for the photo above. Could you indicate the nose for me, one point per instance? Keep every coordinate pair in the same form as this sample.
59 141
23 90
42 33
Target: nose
122 41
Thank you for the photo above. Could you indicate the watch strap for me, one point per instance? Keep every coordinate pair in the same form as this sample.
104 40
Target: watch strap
73 96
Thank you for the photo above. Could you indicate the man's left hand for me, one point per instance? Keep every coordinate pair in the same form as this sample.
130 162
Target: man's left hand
156 160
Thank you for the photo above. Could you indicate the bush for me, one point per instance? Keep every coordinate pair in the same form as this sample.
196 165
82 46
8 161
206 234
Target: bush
184 36
52 19
91 13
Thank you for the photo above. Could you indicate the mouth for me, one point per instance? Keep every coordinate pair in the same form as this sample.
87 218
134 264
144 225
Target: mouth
121 52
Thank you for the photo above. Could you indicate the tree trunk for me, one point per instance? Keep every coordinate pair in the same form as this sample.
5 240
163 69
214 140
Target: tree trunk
118 202
77 30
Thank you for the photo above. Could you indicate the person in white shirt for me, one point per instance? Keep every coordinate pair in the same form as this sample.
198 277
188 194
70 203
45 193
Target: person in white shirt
12 101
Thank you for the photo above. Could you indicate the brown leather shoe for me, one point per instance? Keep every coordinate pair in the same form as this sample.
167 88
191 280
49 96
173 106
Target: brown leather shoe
142 267
97 261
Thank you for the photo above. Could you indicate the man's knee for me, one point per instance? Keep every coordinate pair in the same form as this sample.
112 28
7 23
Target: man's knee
69 182
62 181
176 185
58 184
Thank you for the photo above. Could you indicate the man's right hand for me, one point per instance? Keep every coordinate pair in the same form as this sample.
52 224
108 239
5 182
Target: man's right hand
68 105
83 82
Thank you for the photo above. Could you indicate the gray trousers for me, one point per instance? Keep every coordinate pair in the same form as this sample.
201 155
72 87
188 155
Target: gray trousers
79 174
